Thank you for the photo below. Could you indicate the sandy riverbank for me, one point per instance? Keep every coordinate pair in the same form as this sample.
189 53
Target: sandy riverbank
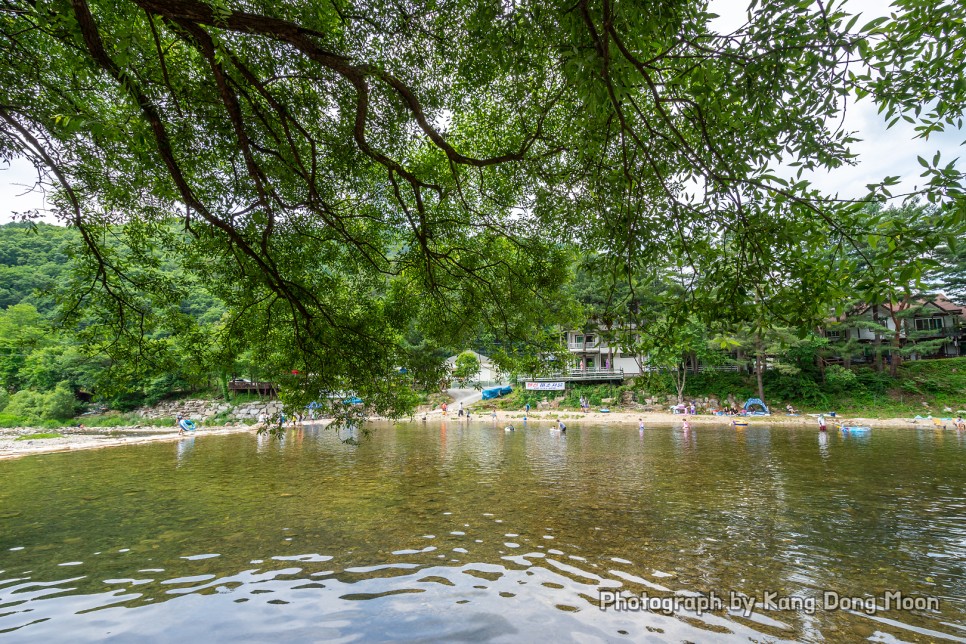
665 418
92 438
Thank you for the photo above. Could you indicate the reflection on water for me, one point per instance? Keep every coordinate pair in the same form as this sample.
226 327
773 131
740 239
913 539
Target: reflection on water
184 448
464 531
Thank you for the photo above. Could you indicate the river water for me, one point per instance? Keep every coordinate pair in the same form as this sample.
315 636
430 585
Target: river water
461 532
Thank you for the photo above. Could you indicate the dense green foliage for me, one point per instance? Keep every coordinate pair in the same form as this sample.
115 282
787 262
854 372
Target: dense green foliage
33 261
42 359
323 193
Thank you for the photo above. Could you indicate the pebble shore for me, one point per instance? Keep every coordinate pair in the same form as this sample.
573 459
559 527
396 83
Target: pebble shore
96 438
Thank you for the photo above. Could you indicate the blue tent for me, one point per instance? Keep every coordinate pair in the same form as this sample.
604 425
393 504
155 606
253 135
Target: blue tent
496 392
756 401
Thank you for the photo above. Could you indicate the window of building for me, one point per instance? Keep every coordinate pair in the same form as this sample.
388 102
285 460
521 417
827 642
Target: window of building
590 339
833 335
928 324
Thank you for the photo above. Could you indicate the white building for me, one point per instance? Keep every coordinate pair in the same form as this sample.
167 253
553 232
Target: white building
593 354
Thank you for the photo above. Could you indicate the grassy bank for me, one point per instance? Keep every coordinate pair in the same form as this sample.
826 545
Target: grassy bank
111 419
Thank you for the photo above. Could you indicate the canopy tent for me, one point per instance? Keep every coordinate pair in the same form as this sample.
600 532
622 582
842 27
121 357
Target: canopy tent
753 402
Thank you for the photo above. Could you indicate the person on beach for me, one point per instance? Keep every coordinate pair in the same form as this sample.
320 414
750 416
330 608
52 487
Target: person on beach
443 407
493 415
692 408
821 423
177 423
526 410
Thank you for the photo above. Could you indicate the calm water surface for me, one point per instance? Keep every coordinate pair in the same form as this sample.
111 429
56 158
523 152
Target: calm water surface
456 533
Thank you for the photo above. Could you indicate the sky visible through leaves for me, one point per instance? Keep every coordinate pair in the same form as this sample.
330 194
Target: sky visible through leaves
881 152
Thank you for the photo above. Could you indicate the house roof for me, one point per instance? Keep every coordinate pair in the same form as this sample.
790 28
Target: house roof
940 303
950 307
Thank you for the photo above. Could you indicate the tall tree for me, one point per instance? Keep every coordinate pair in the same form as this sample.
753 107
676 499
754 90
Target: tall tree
951 277
345 169
897 261
22 330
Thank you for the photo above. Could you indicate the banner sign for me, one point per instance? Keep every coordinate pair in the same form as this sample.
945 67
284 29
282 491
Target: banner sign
546 386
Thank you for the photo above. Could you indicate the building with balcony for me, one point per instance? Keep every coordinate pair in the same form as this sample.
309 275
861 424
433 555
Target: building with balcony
937 323
591 353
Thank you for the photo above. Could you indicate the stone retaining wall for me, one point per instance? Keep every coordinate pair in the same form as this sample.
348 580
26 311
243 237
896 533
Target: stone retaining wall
205 409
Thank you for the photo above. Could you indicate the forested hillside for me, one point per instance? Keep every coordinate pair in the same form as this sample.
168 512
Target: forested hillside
32 258
52 362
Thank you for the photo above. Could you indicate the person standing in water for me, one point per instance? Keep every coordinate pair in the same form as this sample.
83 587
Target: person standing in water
640 425
686 426
821 423
561 427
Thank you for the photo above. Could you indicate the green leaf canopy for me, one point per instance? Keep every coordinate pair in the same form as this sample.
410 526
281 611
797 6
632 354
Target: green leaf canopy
344 172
